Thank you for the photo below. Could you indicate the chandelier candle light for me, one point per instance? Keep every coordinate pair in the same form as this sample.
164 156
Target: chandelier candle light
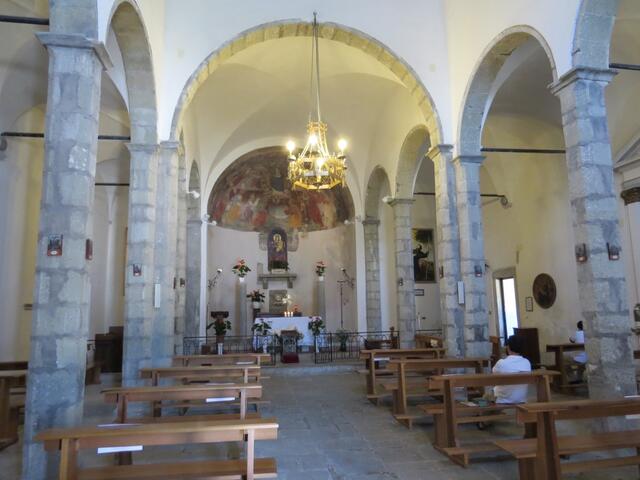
315 167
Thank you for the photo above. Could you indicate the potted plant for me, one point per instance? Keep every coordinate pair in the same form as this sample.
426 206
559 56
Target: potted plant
257 298
262 329
343 338
316 326
241 269
221 326
320 268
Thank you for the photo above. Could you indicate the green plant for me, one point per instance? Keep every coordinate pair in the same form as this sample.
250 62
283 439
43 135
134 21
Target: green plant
320 268
240 268
221 327
279 265
343 338
262 328
256 296
316 325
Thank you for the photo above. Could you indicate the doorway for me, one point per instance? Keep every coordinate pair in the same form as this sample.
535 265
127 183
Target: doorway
507 305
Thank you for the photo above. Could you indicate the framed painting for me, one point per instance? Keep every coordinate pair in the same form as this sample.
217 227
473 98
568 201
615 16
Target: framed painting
424 261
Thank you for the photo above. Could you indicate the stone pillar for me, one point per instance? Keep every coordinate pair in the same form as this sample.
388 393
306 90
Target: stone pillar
181 254
448 246
469 209
59 329
321 298
192 300
603 295
165 253
139 276
240 326
406 303
371 228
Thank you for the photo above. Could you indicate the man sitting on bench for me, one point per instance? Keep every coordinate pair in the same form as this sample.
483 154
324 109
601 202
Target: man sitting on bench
513 363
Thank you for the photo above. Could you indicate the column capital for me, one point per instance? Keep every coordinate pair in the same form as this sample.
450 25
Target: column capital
75 40
631 195
170 145
600 75
401 201
148 148
469 159
441 149
370 221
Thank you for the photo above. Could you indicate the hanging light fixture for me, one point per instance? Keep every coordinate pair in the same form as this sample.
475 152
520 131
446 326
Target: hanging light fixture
315 167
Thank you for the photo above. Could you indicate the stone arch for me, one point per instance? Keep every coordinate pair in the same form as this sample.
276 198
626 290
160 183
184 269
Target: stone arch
377 180
414 148
132 38
592 37
328 31
478 95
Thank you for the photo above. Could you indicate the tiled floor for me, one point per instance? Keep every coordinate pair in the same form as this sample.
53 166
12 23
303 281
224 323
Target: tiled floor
328 430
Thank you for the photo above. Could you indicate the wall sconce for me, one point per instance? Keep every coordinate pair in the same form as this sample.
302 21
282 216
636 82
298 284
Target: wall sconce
477 270
441 271
614 252
581 253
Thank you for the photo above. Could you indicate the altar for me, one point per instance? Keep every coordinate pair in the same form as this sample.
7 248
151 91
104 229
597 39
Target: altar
290 323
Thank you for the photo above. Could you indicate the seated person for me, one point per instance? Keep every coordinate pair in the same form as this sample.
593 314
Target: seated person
577 361
514 362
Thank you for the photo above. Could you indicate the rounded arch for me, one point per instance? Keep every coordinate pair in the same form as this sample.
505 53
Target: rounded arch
592 37
132 38
414 147
377 181
328 31
477 98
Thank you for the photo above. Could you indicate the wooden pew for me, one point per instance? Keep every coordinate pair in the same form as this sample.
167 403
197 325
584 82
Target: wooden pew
422 340
226 359
401 387
561 383
179 393
10 405
70 441
451 413
540 457
187 374
371 356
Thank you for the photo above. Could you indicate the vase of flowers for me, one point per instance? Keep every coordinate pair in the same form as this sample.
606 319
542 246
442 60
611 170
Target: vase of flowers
221 327
241 269
316 326
262 329
343 338
320 268
257 298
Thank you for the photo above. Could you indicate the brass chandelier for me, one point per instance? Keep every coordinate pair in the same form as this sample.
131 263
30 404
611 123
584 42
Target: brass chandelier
315 167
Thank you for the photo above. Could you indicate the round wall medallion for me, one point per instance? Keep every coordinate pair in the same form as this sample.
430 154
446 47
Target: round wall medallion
544 290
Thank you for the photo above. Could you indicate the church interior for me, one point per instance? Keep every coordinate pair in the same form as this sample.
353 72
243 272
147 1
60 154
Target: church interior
318 239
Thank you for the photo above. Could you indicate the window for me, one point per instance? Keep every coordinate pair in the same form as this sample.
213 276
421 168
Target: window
507 306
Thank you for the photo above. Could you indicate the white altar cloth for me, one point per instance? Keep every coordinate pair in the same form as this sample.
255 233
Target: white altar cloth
290 323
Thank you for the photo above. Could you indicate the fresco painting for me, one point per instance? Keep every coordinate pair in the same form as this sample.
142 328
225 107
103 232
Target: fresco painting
253 194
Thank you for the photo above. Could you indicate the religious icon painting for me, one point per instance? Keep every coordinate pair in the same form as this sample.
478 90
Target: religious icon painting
424 263
54 245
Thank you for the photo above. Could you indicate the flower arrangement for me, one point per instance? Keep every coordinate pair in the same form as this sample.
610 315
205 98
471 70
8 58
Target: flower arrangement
256 296
221 326
316 325
320 268
262 328
241 268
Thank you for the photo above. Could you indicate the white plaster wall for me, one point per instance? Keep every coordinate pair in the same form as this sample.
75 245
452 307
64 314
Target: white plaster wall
336 247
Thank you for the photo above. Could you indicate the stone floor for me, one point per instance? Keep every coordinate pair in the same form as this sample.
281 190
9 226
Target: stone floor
328 430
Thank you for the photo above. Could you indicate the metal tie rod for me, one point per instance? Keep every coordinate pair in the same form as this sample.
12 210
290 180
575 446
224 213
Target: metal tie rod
625 66
543 151
122 138
24 20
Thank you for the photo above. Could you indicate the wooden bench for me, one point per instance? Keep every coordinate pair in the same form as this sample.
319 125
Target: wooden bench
203 374
372 356
561 383
187 395
540 457
70 441
401 386
10 405
452 413
226 359
422 340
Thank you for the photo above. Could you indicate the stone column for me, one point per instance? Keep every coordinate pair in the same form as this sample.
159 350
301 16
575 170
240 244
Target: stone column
603 295
192 300
240 325
321 298
165 253
139 277
448 245
59 329
469 209
181 254
372 265
406 306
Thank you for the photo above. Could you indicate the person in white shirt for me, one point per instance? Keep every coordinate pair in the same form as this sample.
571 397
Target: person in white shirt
513 363
577 361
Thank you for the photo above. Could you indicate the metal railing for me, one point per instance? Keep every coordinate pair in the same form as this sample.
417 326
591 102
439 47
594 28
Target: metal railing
233 344
329 347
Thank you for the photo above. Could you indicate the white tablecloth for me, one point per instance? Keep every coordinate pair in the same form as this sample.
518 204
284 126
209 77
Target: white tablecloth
290 323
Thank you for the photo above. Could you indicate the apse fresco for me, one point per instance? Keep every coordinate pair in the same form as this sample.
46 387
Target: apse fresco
253 194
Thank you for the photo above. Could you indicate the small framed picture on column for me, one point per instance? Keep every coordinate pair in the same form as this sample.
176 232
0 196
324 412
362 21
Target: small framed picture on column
54 245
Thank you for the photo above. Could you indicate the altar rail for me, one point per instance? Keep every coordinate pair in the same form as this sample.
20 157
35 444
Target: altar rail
233 344
330 347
